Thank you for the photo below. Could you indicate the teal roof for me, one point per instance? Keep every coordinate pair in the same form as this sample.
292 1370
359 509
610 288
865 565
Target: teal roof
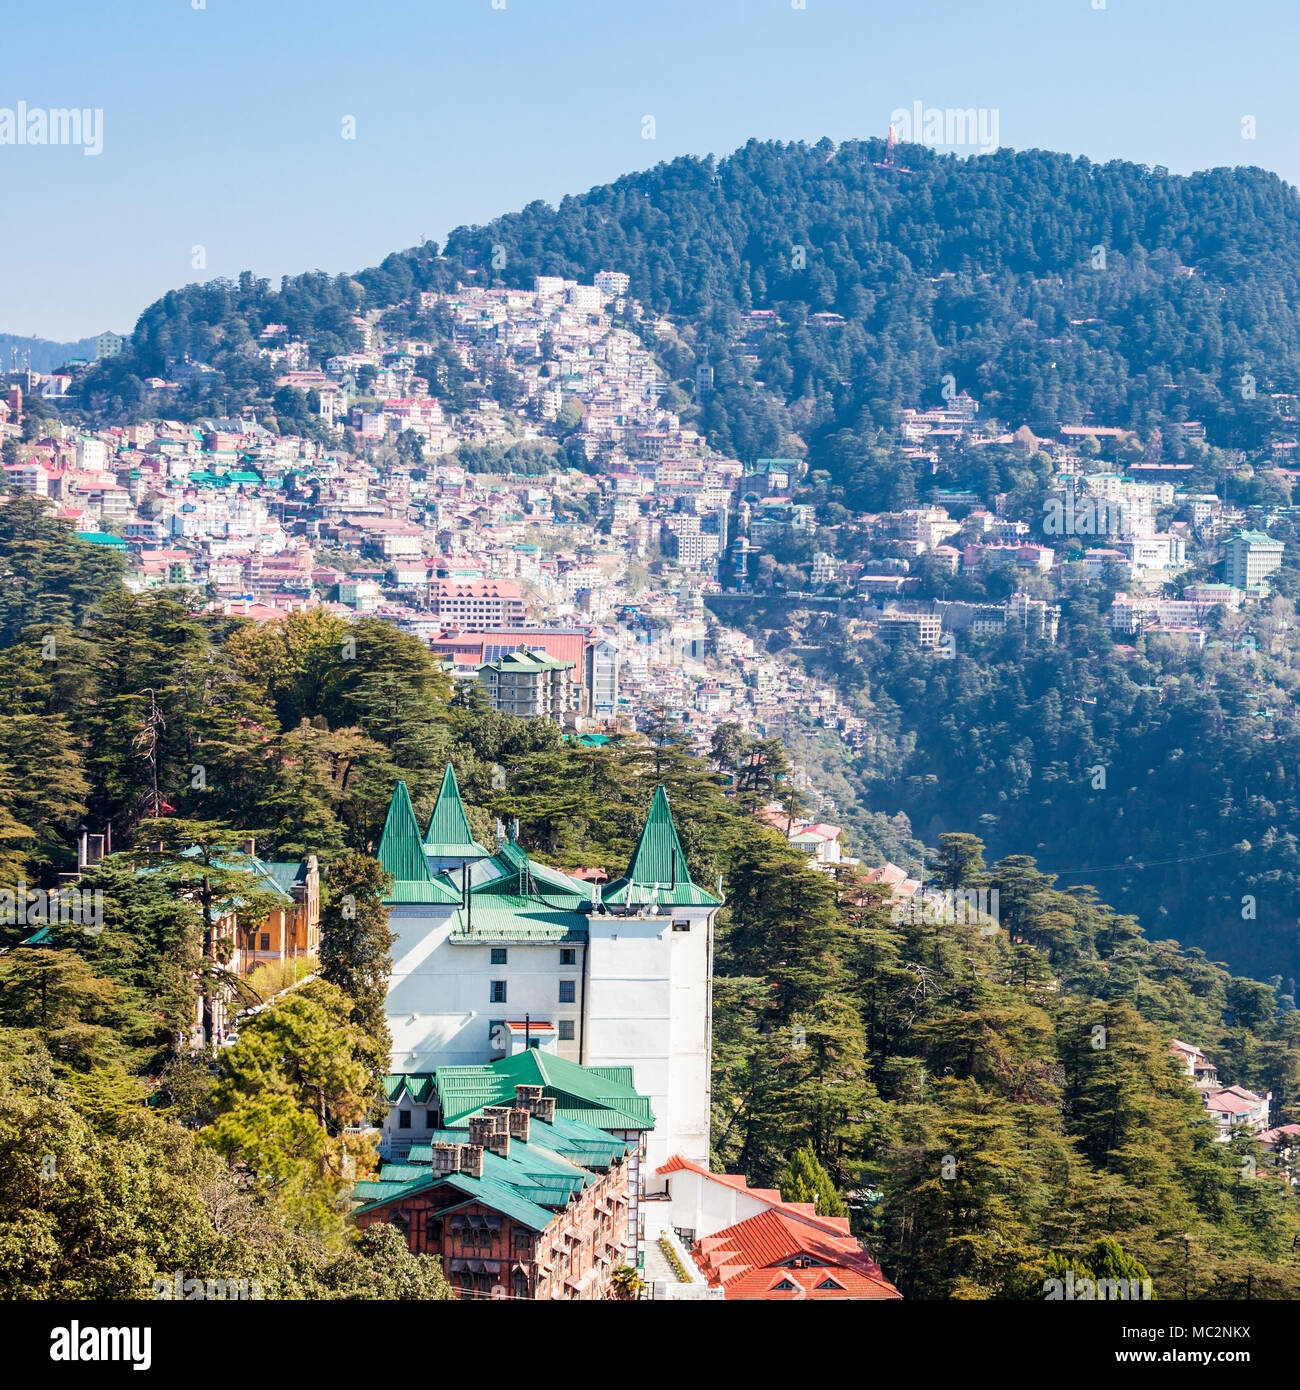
538 1177
512 918
449 835
401 852
657 871
102 538
405 890
518 876
602 1097
417 1085
526 660
286 873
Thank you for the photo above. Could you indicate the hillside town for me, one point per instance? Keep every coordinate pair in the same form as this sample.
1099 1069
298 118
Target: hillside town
543 1134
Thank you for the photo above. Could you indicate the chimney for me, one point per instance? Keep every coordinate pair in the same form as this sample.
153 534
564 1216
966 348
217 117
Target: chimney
526 1097
250 846
471 1160
544 1110
446 1157
480 1129
519 1121
498 1138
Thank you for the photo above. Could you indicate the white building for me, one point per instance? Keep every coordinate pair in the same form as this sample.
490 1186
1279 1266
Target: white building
496 953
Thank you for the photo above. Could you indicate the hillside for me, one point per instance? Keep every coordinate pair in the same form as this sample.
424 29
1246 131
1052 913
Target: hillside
985 270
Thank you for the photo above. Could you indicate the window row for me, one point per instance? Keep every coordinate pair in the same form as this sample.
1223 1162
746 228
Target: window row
568 955
497 993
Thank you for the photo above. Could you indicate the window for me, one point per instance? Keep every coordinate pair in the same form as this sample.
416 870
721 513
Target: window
535 1042
403 1119
431 1119
498 955
566 1030
266 941
568 955
785 1285
829 1284
681 926
498 995
567 988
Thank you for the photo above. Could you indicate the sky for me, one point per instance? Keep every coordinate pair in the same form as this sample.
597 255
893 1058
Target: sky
225 123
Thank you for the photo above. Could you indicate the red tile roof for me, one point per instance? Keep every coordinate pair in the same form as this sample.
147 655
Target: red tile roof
751 1260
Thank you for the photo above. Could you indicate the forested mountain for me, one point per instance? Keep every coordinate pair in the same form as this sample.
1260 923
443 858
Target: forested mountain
1048 286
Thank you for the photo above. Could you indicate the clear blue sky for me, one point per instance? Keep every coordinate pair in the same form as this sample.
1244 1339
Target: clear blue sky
222 125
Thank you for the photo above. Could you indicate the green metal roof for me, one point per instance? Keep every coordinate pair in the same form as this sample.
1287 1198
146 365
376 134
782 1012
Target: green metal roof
401 851
600 1097
539 1175
518 876
526 661
418 1085
658 869
285 873
415 891
449 835
513 918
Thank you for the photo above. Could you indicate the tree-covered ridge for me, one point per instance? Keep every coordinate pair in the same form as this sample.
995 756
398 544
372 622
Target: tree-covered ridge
1163 775
1047 286
994 1106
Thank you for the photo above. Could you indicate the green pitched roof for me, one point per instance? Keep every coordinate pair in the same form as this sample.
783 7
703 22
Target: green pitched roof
526 661
599 1096
401 852
512 918
449 835
418 1085
658 863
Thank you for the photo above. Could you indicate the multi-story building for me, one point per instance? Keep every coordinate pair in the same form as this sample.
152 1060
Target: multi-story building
1250 556
487 603
495 952
531 684
602 677
926 628
522 1202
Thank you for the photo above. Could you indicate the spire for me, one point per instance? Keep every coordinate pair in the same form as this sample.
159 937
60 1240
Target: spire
657 874
401 851
449 834
658 856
